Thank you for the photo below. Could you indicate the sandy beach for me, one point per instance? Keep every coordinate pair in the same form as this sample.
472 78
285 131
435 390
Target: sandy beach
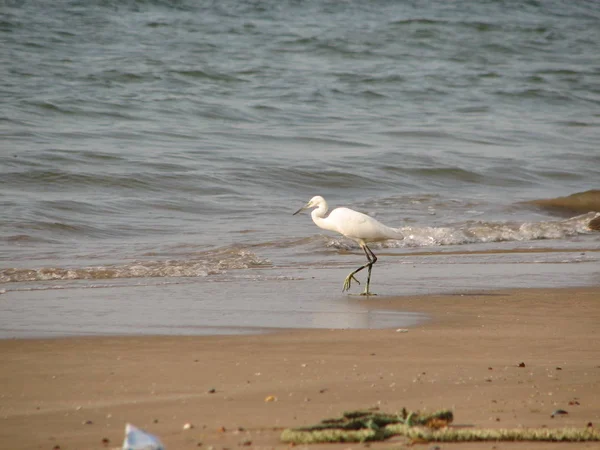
153 269
497 359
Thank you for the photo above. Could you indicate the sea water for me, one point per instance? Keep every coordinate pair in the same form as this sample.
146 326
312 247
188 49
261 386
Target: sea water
154 142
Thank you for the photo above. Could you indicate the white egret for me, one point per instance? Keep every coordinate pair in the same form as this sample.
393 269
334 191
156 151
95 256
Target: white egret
356 226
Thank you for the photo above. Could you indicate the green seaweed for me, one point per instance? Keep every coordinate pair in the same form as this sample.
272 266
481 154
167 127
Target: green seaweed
361 426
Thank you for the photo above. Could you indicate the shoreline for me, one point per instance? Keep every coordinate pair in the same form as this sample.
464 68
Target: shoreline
300 296
76 391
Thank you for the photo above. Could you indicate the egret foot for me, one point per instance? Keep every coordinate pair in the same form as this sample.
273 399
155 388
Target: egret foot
348 282
367 293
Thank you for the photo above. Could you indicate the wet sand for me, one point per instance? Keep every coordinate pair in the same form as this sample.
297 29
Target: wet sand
579 202
73 393
299 296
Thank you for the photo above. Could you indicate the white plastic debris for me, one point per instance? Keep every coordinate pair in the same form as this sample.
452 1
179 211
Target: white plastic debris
136 439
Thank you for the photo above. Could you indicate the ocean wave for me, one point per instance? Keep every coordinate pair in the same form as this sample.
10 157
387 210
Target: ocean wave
210 263
476 232
237 257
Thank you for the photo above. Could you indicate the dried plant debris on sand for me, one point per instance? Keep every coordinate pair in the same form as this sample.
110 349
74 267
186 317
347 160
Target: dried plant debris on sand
361 426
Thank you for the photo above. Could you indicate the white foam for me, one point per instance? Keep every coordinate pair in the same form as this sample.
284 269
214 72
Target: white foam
209 263
482 232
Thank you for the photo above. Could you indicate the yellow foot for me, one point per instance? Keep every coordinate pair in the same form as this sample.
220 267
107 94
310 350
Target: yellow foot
348 282
367 293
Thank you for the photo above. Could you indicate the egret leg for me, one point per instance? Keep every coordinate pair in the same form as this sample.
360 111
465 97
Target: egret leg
348 281
371 258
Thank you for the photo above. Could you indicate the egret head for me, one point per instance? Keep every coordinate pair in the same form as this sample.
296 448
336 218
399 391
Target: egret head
317 200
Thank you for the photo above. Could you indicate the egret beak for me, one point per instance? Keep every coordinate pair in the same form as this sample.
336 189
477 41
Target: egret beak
302 209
